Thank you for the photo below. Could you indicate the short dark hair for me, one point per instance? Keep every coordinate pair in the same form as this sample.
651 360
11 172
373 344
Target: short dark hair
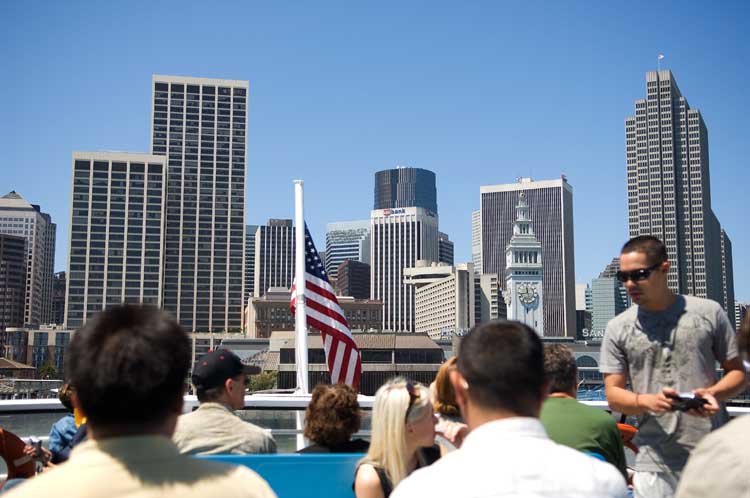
560 368
333 414
129 364
503 363
208 395
64 395
653 248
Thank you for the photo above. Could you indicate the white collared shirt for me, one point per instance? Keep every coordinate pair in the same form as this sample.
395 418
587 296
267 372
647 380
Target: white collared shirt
514 458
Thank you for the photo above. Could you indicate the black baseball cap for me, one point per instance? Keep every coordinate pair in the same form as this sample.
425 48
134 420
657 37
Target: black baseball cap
216 366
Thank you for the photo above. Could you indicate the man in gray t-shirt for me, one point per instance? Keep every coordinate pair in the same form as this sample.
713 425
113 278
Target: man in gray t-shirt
665 345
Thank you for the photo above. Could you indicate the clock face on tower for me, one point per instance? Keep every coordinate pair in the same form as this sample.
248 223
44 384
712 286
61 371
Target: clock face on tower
527 294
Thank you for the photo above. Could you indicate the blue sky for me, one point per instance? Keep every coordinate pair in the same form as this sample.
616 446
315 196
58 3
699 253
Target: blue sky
478 92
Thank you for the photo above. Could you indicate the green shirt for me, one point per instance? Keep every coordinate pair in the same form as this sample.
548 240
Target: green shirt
583 428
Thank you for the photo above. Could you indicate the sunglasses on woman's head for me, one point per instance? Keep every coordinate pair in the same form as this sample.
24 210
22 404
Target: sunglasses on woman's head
413 396
637 275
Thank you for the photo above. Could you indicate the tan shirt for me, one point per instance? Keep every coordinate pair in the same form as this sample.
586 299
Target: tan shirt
141 467
214 429
718 465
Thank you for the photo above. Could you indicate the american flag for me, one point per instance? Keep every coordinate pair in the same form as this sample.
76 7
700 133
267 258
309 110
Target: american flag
325 314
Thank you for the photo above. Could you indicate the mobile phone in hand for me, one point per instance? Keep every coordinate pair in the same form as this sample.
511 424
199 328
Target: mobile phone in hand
687 401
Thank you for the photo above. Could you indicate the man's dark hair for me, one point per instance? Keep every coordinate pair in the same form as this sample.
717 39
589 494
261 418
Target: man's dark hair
128 365
653 248
503 363
212 394
560 368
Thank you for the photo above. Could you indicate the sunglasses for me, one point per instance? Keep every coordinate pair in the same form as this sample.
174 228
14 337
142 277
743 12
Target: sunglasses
413 396
637 275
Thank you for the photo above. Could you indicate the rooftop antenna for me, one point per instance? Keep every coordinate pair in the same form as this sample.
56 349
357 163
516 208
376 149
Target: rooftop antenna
658 61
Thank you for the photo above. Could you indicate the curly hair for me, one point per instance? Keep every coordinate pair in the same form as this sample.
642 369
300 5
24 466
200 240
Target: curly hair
445 396
560 368
333 414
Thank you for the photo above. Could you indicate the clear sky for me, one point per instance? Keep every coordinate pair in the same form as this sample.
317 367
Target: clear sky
478 92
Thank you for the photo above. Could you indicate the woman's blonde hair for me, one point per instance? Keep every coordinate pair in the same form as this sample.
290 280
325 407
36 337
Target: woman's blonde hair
389 418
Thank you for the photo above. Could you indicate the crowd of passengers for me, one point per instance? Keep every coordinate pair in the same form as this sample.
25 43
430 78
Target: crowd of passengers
500 419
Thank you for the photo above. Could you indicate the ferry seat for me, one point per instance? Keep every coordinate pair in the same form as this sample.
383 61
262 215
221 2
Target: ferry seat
302 475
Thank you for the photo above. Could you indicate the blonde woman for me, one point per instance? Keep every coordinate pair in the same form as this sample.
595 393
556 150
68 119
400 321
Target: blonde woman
403 424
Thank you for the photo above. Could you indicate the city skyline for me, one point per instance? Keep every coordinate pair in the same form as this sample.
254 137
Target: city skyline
365 121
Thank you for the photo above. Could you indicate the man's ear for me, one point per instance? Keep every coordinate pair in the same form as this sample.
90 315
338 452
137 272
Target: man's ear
460 388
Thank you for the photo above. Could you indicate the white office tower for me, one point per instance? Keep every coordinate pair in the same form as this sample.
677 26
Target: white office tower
20 218
116 245
551 213
274 256
400 237
249 274
476 241
346 240
524 293
200 125
444 298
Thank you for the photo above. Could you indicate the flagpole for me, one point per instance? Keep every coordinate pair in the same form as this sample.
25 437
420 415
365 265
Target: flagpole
299 274
300 322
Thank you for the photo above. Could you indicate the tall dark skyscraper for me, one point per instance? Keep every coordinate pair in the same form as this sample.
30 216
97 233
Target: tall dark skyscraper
669 189
405 187
200 125
12 280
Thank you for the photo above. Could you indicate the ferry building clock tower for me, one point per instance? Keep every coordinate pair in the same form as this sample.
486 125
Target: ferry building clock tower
523 272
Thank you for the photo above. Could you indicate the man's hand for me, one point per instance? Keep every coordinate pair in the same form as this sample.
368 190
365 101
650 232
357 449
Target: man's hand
656 403
707 410
455 432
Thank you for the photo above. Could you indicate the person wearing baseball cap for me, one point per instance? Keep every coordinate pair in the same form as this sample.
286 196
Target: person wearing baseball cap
220 380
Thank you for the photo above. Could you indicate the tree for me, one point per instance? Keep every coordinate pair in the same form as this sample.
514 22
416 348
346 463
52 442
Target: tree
263 381
48 371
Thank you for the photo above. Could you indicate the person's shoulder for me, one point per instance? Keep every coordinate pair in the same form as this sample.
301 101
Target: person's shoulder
627 317
700 304
434 480
604 476
226 479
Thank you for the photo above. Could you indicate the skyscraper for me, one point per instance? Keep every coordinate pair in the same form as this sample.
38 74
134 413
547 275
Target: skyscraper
200 125
445 249
274 256
551 212
19 217
400 237
405 187
727 276
346 240
12 280
249 285
353 279
116 232
476 241
58 297
669 191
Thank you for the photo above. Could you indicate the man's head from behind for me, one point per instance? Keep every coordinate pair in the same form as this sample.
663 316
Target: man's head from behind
220 376
643 269
560 369
129 364
500 371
